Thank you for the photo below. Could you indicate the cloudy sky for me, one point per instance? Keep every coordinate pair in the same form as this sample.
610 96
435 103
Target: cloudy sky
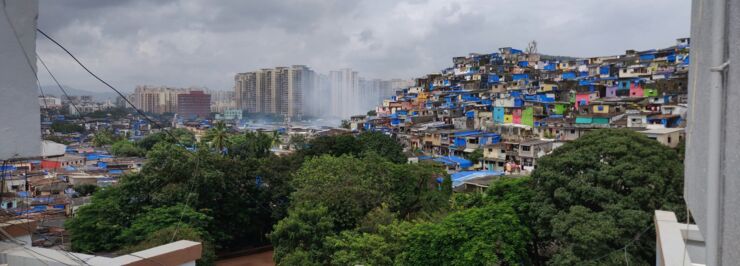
204 43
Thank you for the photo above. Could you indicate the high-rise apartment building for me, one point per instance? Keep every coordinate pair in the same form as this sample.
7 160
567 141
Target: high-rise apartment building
277 90
345 92
157 99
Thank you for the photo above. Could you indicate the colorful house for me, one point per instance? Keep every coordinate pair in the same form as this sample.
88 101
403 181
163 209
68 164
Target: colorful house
636 90
582 99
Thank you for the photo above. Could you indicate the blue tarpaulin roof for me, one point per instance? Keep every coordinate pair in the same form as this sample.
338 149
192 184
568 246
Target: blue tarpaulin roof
454 160
462 176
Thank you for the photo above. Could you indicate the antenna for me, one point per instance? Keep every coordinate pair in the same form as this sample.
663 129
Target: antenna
532 47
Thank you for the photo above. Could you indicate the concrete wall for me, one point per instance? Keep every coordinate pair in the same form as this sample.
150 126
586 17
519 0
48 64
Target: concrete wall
20 133
704 148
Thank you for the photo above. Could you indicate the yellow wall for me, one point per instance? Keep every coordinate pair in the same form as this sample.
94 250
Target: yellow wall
595 109
508 119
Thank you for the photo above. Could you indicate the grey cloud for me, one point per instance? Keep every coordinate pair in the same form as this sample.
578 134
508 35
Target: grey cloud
203 43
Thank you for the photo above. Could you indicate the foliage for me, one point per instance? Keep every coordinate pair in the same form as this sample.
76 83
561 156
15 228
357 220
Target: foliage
159 218
66 127
57 139
86 189
238 208
217 137
96 226
372 113
113 113
350 145
181 136
103 138
345 124
126 148
596 194
476 156
477 236
250 145
298 141
302 231
382 144
362 193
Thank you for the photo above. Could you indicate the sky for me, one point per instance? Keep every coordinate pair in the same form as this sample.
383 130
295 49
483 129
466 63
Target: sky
201 43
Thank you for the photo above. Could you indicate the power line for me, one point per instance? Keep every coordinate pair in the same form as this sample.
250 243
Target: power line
69 99
107 84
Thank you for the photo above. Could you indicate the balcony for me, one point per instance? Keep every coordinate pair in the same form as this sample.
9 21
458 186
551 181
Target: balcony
677 243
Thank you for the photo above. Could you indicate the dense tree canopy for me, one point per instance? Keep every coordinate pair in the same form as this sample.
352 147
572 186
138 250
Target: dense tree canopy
126 148
346 190
598 193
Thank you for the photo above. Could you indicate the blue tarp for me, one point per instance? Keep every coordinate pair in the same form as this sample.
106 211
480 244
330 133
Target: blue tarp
115 172
70 168
604 70
462 176
568 75
520 76
454 161
6 168
95 156
493 79
523 63
645 57
550 67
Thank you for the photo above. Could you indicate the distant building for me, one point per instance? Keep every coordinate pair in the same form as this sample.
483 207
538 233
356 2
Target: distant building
156 100
50 102
277 90
194 104
230 114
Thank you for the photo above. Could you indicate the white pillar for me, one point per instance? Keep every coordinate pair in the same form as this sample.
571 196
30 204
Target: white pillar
19 104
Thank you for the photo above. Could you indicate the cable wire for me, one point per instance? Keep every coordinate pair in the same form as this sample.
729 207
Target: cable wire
107 84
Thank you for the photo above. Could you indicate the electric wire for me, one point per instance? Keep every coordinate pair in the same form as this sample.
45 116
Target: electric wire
106 84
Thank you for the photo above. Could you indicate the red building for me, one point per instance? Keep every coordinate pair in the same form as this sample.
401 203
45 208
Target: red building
194 104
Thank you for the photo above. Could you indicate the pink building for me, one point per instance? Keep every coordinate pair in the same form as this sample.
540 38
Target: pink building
583 99
636 90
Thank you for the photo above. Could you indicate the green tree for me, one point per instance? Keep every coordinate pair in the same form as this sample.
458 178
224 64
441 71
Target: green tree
102 138
490 235
345 124
250 145
96 226
361 193
476 156
298 141
157 219
86 189
217 137
300 236
66 127
598 193
179 136
382 144
126 148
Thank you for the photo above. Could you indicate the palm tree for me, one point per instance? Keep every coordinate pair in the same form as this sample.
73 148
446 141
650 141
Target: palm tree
275 139
218 136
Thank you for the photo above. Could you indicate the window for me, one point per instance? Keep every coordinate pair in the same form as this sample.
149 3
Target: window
503 151
669 139
572 131
526 148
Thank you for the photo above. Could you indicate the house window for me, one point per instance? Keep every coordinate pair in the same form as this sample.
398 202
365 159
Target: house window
572 131
669 139
526 148
503 151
